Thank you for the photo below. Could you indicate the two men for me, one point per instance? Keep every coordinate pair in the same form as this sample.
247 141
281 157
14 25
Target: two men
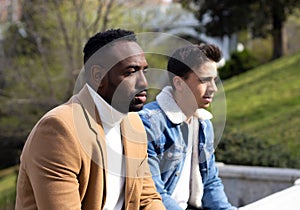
180 133
90 153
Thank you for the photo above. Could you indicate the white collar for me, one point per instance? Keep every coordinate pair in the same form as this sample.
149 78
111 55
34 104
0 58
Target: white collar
167 103
108 115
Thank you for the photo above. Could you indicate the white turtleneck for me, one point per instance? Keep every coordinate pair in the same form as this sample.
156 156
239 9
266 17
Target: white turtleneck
111 119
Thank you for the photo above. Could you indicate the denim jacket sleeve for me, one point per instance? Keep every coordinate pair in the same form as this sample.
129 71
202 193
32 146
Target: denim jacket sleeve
154 151
214 196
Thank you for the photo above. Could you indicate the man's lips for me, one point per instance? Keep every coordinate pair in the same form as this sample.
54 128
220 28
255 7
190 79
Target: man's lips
141 97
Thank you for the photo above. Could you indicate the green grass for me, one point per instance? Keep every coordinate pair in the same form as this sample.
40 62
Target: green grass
7 187
265 103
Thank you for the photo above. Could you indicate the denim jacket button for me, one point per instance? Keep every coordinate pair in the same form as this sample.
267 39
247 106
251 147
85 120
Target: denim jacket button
170 154
177 173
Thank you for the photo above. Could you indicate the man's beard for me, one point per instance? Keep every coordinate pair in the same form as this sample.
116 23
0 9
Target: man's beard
122 104
135 106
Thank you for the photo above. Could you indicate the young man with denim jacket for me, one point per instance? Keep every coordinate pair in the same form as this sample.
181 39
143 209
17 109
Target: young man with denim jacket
180 133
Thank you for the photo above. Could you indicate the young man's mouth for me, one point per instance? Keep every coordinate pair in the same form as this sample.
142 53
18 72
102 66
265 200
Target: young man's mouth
208 99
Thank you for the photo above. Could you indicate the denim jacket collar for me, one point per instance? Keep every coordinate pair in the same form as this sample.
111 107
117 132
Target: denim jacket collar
167 103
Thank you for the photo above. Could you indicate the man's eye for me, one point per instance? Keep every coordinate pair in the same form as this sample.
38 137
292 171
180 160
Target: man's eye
128 73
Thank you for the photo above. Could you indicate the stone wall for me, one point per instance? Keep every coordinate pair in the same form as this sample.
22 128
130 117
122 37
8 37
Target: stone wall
285 199
247 184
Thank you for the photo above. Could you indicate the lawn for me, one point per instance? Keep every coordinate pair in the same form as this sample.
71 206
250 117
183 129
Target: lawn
264 103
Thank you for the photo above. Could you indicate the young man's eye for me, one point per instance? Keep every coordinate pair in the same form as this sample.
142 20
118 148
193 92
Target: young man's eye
204 79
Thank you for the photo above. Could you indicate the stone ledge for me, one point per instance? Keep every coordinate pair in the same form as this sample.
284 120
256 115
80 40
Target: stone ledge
258 173
247 184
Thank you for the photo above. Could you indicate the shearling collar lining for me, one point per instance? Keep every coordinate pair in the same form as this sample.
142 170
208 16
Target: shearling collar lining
167 103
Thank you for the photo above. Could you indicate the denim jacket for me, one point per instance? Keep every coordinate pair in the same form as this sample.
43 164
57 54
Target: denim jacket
163 122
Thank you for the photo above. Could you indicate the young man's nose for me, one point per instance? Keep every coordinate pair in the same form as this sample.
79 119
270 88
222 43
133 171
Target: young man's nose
213 86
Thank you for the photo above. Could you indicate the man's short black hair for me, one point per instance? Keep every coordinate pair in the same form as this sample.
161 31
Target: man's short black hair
185 59
101 39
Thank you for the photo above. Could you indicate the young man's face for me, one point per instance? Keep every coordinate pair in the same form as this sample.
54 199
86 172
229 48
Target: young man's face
201 84
124 86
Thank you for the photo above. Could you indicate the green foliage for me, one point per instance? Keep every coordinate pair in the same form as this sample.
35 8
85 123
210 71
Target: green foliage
224 16
7 187
261 48
17 42
156 81
263 105
257 15
239 62
292 28
260 17
243 149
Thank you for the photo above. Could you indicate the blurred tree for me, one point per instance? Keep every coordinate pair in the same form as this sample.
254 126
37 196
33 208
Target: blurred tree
293 32
261 17
41 56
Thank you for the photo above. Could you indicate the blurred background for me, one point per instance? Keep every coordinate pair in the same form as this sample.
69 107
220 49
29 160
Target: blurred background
41 56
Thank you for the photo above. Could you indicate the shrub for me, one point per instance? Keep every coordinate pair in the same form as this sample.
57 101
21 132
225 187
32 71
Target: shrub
243 149
239 62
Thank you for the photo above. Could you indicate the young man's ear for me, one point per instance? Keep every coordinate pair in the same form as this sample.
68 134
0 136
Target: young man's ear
178 83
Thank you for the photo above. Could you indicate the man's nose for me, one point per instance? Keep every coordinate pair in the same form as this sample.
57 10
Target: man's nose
142 80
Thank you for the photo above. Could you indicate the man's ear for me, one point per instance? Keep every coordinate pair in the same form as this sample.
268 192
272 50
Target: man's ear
96 76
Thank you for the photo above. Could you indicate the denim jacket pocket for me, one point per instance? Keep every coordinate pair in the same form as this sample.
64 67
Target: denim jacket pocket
175 152
172 157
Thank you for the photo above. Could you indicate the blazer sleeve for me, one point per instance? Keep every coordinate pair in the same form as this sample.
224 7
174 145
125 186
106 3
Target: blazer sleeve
150 198
135 141
52 161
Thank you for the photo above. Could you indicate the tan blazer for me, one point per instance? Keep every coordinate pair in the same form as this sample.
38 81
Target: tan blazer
64 158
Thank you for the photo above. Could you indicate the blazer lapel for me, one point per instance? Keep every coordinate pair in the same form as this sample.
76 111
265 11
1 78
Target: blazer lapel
90 131
134 141
133 137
